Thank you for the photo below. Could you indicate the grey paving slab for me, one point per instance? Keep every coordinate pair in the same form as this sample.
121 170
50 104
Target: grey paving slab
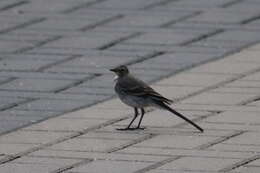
41 85
54 105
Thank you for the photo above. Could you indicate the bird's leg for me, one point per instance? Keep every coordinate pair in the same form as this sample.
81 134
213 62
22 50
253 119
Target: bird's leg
141 118
135 116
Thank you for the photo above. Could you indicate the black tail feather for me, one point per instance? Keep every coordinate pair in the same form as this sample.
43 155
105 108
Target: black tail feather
163 105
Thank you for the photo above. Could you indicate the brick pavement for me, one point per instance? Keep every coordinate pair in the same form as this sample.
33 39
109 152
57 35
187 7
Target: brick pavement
55 53
224 101
55 56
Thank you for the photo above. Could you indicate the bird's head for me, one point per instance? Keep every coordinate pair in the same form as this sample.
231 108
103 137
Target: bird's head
120 70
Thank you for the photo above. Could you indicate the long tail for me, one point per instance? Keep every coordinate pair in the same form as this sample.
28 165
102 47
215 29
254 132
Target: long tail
163 105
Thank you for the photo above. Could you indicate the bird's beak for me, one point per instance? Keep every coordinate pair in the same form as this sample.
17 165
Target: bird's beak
113 70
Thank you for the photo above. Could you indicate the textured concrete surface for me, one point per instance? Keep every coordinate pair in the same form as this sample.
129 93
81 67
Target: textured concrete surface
225 102
55 54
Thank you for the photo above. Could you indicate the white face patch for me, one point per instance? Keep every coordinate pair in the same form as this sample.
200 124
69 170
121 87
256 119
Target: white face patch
115 78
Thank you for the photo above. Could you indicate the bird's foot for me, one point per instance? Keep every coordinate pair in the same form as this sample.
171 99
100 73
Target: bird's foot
124 129
129 128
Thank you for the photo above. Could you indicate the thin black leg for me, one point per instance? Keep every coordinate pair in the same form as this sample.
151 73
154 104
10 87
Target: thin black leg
141 118
135 116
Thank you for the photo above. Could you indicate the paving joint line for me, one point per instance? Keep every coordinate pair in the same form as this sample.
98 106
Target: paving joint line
10 79
156 4
249 20
250 100
15 4
230 3
59 62
25 24
168 24
101 23
143 58
13 105
120 40
240 163
82 5
39 44
85 79
66 168
219 140
203 37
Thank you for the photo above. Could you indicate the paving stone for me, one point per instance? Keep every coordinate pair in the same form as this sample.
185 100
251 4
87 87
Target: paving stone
241 90
34 137
25 168
65 124
90 90
247 169
89 144
98 61
40 85
99 113
23 65
111 136
236 148
237 36
235 117
172 152
111 166
244 139
219 15
196 79
30 116
60 162
189 4
219 98
227 68
6 101
199 164
117 4
97 155
177 141
244 84
148 19
53 105
47 7
12 46
219 44
164 38
91 40
246 56
9 125
45 75
255 103
69 23
9 149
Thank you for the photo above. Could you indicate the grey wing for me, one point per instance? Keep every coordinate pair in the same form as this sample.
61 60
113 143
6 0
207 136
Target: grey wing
136 87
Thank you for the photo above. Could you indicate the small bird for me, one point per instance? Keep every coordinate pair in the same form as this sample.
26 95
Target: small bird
137 94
